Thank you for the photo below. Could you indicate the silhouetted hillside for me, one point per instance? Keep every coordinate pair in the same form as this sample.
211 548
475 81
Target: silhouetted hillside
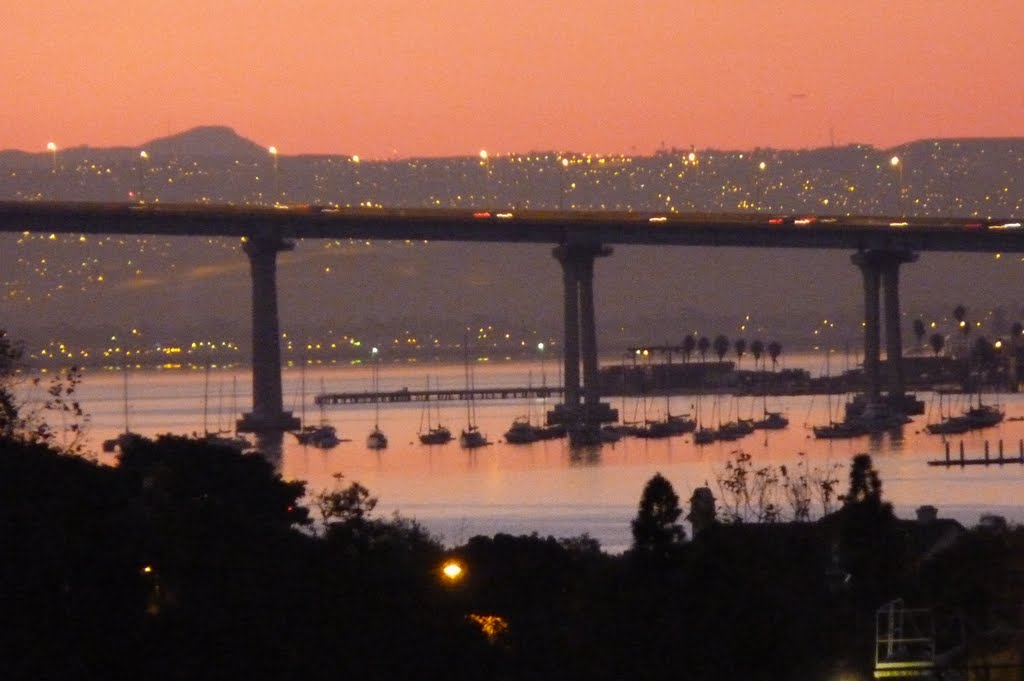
207 141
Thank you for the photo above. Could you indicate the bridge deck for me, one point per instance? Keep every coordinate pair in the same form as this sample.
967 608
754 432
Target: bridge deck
742 230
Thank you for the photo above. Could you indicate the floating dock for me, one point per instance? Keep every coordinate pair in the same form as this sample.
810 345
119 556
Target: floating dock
455 395
987 460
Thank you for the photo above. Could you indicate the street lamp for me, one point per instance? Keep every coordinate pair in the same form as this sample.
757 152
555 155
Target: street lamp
487 176
143 167
561 184
757 185
898 165
273 155
452 571
52 148
543 376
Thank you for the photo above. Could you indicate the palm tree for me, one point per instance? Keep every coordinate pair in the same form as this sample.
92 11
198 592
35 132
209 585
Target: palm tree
983 353
702 347
721 345
740 345
774 350
919 331
689 345
960 315
937 342
757 349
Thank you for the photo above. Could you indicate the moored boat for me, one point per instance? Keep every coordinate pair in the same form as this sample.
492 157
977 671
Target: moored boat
522 432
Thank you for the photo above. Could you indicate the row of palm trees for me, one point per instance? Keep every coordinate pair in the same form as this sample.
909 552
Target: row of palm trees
721 345
937 341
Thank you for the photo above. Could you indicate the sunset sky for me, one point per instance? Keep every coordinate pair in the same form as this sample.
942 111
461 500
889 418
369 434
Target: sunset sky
400 78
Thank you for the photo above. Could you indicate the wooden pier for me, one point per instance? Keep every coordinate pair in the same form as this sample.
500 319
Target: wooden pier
455 395
987 460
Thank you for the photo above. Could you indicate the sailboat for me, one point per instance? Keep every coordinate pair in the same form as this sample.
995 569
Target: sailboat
322 436
701 434
219 437
770 420
673 424
127 437
436 434
471 437
523 431
974 418
376 439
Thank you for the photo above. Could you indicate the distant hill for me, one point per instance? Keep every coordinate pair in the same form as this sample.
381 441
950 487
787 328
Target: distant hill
207 141
216 143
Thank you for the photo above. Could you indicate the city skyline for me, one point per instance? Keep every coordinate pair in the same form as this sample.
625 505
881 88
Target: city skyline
450 78
429 289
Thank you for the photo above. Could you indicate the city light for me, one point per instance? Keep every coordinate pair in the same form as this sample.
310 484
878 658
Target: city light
452 570
52 148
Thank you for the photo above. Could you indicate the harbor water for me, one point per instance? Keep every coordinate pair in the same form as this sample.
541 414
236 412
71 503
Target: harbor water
546 487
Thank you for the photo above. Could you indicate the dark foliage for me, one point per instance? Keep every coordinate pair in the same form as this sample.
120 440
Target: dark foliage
194 562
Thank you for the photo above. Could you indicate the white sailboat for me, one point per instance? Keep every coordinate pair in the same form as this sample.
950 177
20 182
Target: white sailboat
471 437
376 439
321 436
127 437
436 434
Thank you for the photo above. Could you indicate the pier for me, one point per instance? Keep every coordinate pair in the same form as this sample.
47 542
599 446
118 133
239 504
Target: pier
986 460
453 395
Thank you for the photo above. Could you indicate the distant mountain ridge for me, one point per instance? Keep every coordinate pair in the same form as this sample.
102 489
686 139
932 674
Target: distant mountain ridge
220 142
217 142
207 141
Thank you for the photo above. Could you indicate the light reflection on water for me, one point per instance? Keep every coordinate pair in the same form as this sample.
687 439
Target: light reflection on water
544 487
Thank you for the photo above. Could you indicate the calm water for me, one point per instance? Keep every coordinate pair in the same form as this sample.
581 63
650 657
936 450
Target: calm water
544 487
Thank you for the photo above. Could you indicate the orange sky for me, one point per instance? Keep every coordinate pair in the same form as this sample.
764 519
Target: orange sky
386 78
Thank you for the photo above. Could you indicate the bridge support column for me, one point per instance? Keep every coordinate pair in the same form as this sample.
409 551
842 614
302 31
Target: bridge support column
880 270
571 331
893 335
268 414
872 323
582 408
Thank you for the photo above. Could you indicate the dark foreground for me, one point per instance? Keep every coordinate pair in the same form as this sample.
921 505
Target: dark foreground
193 562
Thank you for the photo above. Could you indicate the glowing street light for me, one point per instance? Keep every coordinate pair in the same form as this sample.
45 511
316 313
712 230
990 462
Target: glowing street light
452 571
543 376
487 175
562 183
898 165
143 168
273 154
52 148
757 185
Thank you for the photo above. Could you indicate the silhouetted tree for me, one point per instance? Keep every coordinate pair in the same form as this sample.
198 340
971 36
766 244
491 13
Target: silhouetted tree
982 353
740 345
655 528
702 347
757 350
919 331
960 315
1017 329
937 342
10 353
865 485
721 346
341 504
774 350
689 345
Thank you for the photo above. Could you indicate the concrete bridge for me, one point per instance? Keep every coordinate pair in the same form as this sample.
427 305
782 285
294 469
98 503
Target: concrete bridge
878 246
